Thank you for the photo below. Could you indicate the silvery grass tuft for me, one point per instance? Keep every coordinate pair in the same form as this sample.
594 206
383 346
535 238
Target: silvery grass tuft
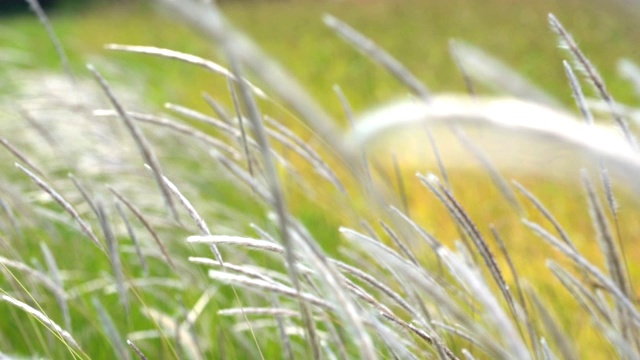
99 175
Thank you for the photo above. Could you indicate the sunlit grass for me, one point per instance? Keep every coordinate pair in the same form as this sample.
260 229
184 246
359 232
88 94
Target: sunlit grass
417 35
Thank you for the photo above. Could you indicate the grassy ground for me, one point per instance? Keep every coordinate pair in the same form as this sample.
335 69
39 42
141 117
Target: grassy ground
417 33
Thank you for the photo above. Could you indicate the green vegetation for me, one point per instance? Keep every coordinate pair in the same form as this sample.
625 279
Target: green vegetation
166 298
416 32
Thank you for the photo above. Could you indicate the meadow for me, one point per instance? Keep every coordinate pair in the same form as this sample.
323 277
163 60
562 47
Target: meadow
160 293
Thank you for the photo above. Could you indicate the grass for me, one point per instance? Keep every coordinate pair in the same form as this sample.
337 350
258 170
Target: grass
393 23
171 307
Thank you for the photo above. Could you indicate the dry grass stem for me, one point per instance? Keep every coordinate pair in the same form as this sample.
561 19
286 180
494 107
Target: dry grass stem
20 156
138 214
139 138
594 77
42 317
84 226
372 51
188 58
138 352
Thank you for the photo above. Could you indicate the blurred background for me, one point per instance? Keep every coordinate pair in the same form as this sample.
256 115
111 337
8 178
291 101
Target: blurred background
417 32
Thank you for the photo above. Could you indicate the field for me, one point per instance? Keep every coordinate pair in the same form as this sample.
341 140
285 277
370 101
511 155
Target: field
170 306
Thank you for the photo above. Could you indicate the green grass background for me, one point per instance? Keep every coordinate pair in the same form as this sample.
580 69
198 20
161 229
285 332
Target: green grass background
416 32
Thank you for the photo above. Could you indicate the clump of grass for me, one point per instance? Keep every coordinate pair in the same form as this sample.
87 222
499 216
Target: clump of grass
252 279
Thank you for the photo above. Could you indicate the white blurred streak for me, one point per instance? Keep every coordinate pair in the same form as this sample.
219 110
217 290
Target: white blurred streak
517 134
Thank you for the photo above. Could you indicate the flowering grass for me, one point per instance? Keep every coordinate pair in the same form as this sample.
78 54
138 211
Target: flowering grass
262 228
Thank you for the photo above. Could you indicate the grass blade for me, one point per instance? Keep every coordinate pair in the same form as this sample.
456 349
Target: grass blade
138 214
139 138
114 257
594 77
42 317
188 58
377 54
111 330
136 350
134 239
84 226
